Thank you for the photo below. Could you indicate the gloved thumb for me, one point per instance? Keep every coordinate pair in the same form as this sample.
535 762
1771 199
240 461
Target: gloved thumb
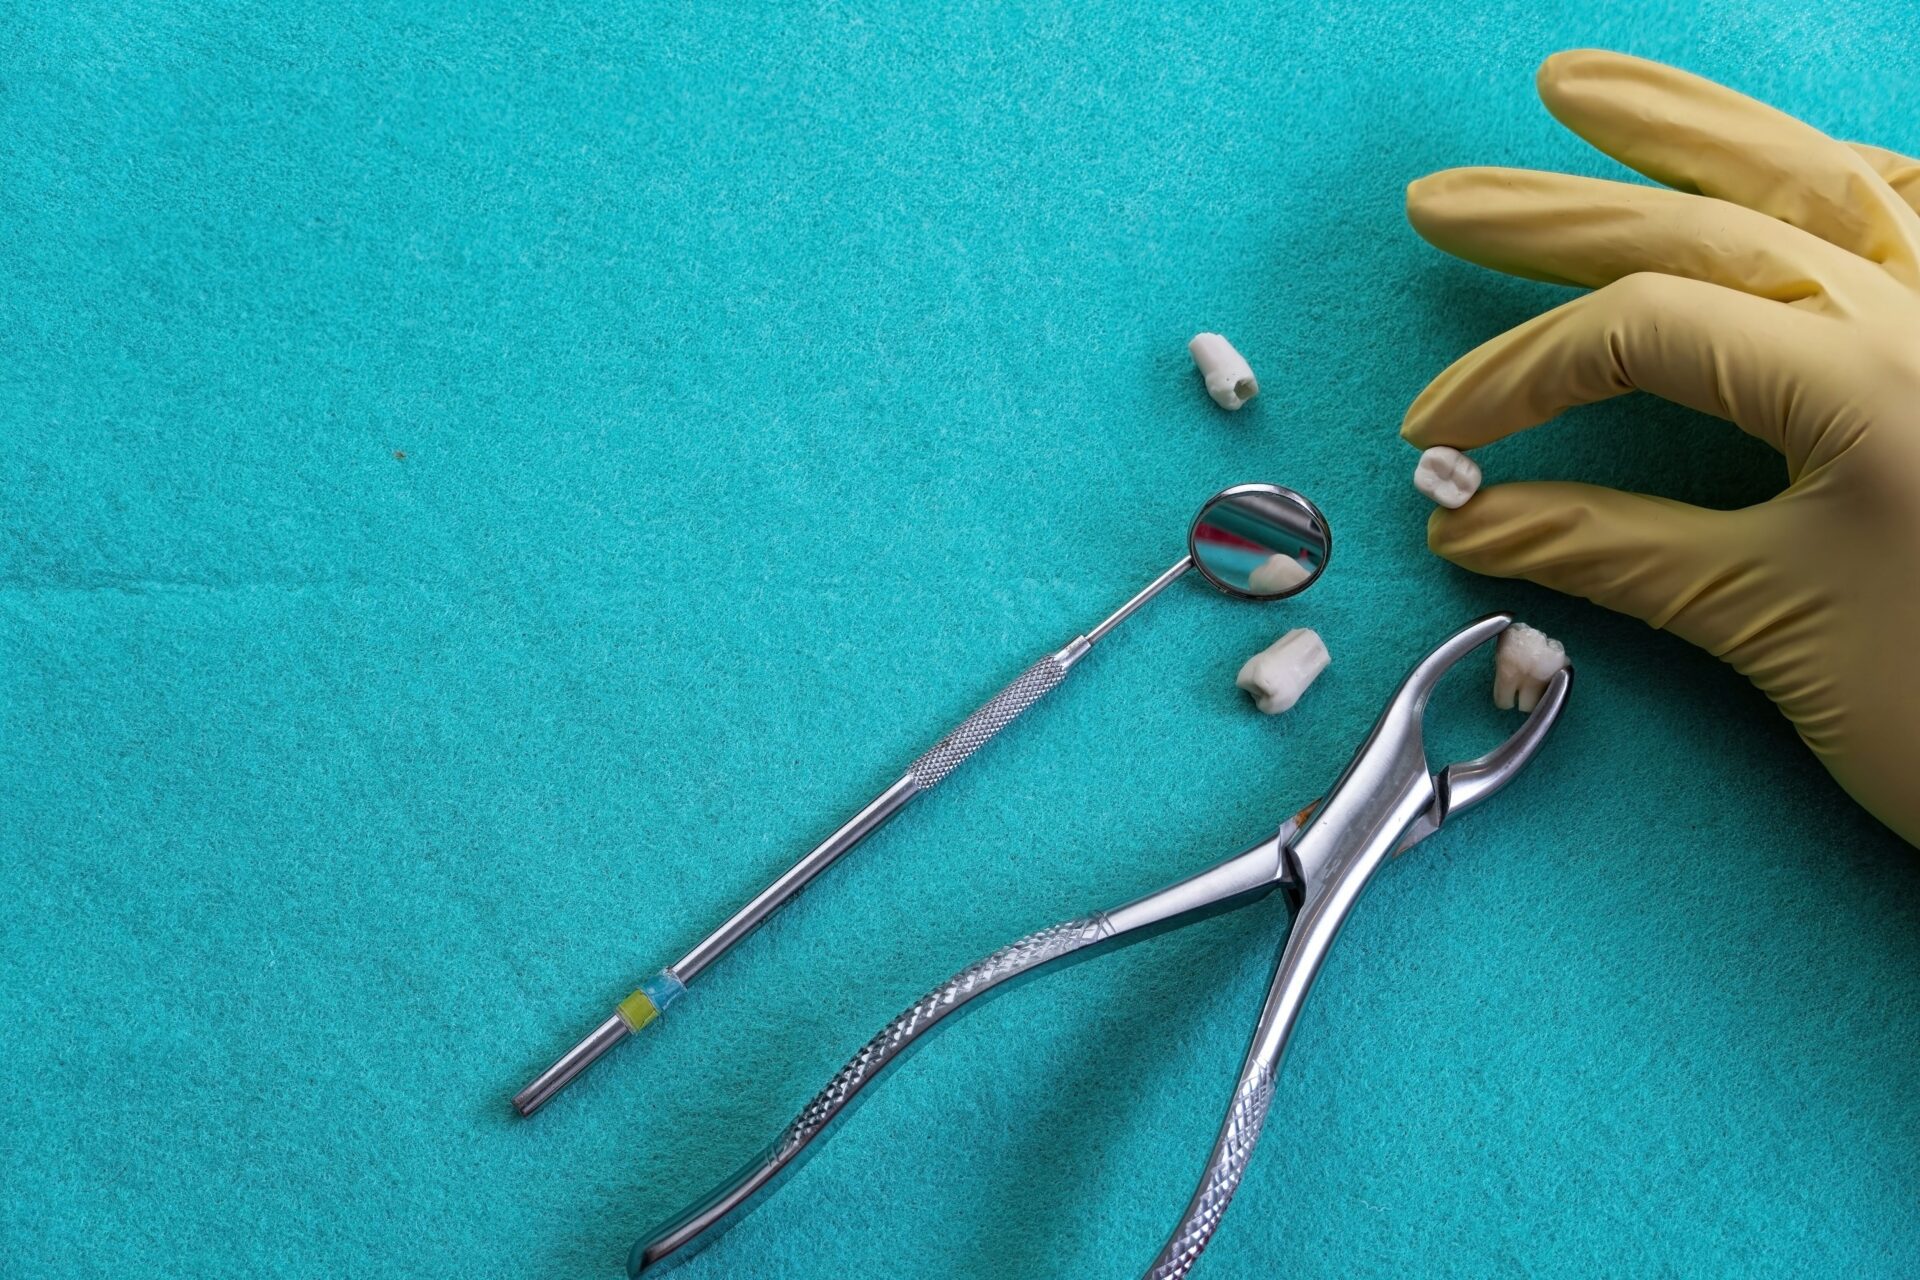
1686 569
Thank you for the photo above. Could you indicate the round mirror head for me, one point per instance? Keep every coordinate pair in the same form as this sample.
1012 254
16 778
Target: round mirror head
1259 541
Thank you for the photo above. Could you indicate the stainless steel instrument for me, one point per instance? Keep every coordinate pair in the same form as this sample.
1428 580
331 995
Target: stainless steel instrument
1383 803
1253 541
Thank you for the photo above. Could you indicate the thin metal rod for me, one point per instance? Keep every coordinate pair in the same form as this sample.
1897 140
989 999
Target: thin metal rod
795 878
577 1059
1151 590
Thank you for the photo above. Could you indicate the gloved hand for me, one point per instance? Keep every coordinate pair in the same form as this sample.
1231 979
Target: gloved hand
1777 285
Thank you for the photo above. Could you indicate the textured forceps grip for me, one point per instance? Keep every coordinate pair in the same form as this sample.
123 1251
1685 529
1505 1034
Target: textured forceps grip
1245 1118
925 1013
686 1234
999 711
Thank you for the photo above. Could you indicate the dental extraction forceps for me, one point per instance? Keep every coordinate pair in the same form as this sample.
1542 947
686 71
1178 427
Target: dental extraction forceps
1383 803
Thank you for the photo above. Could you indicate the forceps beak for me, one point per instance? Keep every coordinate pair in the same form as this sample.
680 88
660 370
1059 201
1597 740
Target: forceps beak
1467 782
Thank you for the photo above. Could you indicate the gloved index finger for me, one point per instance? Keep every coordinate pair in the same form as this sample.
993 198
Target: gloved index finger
1716 350
1698 136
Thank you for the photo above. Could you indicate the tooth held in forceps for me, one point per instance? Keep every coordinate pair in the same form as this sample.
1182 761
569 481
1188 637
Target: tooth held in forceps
1277 575
1230 379
1447 476
1281 672
1523 661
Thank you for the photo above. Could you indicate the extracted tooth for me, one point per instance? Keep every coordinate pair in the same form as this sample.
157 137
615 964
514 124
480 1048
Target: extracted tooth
1447 476
1230 379
1281 672
1523 661
1276 575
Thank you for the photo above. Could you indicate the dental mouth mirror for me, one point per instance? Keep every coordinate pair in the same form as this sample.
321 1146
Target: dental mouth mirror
1253 541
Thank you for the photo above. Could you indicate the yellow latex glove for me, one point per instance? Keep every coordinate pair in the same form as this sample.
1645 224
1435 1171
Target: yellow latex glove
1777 285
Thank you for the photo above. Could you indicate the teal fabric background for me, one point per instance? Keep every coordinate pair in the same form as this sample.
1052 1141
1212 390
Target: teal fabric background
485 488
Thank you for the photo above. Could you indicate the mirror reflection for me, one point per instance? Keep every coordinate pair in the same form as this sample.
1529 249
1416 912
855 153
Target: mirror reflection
1260 540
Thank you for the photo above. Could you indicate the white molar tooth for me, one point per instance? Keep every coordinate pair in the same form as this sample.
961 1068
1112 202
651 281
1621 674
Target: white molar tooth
1229 377
1281 672
1447 476
1523 661
1276 575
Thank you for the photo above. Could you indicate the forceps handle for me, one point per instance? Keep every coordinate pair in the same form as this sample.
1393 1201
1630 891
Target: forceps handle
1240 879
760 1176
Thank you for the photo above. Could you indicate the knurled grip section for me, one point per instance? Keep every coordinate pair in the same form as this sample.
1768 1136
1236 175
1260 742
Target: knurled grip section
1009 962
1245 1118
978 729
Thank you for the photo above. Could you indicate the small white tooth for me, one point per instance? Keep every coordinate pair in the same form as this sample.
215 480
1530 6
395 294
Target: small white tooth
1281 672
1523 661
1276 575
1230 379
1447 476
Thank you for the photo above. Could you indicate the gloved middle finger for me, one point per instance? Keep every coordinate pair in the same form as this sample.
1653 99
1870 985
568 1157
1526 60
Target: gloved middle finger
1695 135
1591 232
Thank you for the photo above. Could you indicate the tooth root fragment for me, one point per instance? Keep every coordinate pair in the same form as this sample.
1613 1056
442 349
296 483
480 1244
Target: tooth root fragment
1281 672
1523 661
1229 378
1447 476
1276 575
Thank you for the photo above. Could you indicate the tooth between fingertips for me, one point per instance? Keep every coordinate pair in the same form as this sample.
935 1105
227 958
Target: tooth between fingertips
1447 476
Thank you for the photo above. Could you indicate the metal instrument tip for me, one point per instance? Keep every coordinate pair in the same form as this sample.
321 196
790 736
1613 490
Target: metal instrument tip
570 1064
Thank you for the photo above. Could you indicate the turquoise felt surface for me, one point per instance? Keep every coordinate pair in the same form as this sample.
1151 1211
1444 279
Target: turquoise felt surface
486 487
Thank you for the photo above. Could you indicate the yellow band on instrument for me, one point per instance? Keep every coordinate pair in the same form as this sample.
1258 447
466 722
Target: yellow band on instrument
637 1010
